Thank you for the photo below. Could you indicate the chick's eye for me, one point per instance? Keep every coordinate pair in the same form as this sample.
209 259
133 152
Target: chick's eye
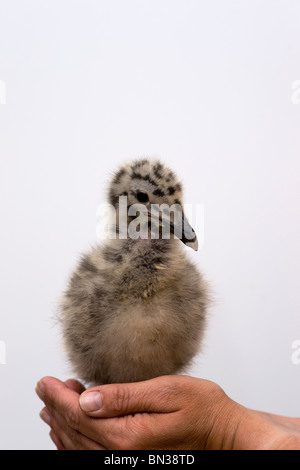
142 197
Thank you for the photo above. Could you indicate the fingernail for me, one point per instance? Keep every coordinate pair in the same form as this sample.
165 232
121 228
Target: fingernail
45 417
40 390
90 401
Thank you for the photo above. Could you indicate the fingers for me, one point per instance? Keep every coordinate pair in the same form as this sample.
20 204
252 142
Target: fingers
75 385
57 442
65 437
56 394
69 422
122 399
62 413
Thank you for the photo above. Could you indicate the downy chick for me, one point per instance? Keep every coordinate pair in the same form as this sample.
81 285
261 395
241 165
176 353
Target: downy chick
135 307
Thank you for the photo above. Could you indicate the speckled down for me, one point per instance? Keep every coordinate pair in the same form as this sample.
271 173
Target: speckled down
135 309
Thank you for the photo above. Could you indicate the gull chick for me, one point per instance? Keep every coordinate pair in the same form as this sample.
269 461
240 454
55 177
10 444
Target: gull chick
135 307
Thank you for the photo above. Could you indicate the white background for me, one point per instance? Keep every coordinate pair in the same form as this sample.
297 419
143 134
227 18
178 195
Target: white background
207 87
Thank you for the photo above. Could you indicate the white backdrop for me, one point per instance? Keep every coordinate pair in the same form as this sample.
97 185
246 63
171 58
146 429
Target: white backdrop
208 88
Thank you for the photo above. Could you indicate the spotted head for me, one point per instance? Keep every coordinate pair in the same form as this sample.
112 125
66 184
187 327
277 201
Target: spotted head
150 183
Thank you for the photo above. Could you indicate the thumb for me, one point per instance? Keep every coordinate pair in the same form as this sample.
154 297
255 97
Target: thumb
160 395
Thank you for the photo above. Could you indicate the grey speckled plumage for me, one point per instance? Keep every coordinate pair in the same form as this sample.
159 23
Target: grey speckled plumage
135 309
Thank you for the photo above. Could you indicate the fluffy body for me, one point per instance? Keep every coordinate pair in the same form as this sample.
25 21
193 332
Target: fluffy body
134 309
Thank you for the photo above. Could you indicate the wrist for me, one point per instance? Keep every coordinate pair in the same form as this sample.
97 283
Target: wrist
235 427
226 417
253 430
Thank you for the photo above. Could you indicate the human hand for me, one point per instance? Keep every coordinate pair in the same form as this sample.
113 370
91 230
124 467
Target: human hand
169 412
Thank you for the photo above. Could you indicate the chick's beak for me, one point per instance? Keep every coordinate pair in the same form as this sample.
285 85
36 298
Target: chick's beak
181 228
189 238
